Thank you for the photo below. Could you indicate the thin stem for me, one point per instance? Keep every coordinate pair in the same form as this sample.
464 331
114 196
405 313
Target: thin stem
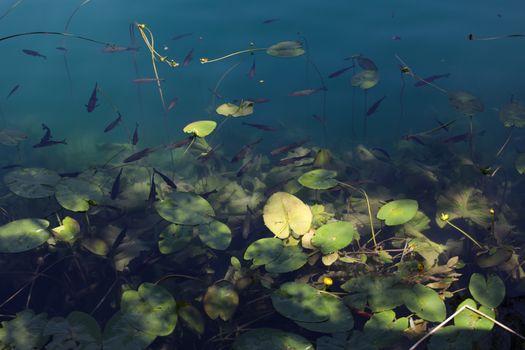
464 233
205 60
505 143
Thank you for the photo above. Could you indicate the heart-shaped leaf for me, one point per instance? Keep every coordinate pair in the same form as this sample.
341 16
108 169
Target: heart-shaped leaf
488 292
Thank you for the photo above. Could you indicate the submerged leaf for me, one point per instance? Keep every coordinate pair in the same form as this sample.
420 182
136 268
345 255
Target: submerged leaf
286 49
68 231
519 164
174 238
120 334
185 208
26 331
32 182
215 235
221 301
291 258
468 204
244 109
466 103
268 338
513 115
23 235
425 303
470 320
75 194
264 251
365 79
78 328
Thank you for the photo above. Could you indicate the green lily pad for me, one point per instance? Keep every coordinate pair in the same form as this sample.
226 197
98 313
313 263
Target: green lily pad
519 164
68 231
398 212
467 319
185 208
78 328
382 292
381 331
151 309
494 257
365 79
75 194
311 309
334 236
221 301
268 338
120 334
513 115
174 238
451 338
286 49
24 332
291 258
215 235
319 179
425 303
32 182
200 128
192 318
488 292
23 235
284 213
96 246
264 251
244 109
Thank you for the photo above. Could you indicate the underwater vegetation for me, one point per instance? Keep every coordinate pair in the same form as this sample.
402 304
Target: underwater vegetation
277 243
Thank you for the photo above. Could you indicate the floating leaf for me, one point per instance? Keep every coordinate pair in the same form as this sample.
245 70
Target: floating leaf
201 128
382 292
75 194
10 137
268 338
381 331
23 235
319 179
334 236
398 212
365 79
286 49
79 330
244 109
24 332
215 235
465 103
284 213
221 300
488 292
185 208
291 258
68 231
519 164
120 334
150 309
494 257
96 246
470 320
264 251
32 182
311 309
451 338
513 115
192 318
174 238
425 303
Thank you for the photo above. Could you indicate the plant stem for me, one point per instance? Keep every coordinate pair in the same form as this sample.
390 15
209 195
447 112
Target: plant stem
464 233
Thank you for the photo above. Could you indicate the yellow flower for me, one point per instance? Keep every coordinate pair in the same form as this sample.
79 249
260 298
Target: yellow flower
204 60
444 217
491 211
328 281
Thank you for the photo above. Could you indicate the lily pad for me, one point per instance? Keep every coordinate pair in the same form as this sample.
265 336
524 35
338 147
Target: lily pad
365 79
488 292
382 292
23 235
286 49
284 213
32 182
150 309
513 115
201 128
68 231
472 321
264 251
185 208
11 137
244 109
174 238
96 246
192 318
215 235
78 328
495 257
465 103
75 194
334 236
319 179
425 303
398 212
291 258
269 338
221 301
120 334
520 163
24 332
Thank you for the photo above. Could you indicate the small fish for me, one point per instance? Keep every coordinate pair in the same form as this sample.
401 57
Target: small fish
92 102
385 157
71 174
180 143
443 126
251 72
116 243
172 103
166 179
259 100
139 155
413 138
463 137
306 92
245 150
270 20
260 126
286 148
11 166
395 37
146 80
430 79
318 118
180 36
374 107
291 160
49 143
188 58
114 123
152 198
247 166
118 49
207 155
33 53
216 94
61 48
205 195
135 138
340 72
115 189
47 136
12 91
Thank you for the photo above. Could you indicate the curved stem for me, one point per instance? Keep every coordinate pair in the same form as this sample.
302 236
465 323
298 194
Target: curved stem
464 233
205 60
